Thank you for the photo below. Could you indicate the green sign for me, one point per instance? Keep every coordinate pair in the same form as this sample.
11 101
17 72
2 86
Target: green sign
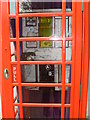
45 30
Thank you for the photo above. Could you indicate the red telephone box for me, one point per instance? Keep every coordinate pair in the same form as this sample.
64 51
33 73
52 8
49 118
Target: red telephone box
20 103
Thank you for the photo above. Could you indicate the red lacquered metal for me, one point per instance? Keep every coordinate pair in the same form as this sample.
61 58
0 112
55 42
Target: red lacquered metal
78 44
7 96
0 53
41 105
34 39
18 56
63 57
73 60
85 60
7 85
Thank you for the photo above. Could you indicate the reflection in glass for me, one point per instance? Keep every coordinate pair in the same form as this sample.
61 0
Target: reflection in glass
42 113
67 113
13 51
41 94
17 112
34 6
68 5
12 28
12 6
67 95
15 94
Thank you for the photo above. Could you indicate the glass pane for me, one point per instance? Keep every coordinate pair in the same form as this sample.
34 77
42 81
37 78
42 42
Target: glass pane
68 74
68 26
58 26
17 112
15 94
41 51
13 51
42 113
12 28
12 6
41 27
34 6
41 94
67 113
68 50
67 95
41 73
68 5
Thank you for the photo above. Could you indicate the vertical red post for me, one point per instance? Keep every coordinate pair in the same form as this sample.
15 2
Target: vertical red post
63 57
85 57
18 56
0 52
78 44
7 96
73 60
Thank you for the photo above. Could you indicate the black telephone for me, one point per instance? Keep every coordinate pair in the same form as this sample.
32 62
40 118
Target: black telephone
46 73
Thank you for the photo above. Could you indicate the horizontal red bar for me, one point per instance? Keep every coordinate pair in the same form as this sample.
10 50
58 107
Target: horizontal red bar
41 105
42 84
41 14
40 62
35 39
12 15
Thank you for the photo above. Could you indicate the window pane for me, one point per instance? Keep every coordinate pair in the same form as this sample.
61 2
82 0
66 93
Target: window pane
41 51
68 5
68 26
67 95
41 73
40 6
68 50
41 94
67 113
42 113
68 74
41 27
13 51
12 6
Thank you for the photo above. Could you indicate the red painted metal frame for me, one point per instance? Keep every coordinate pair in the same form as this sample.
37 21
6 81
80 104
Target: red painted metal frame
78 45
0 53
7 85
7 93
73 60
63 57
18 57
85 60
